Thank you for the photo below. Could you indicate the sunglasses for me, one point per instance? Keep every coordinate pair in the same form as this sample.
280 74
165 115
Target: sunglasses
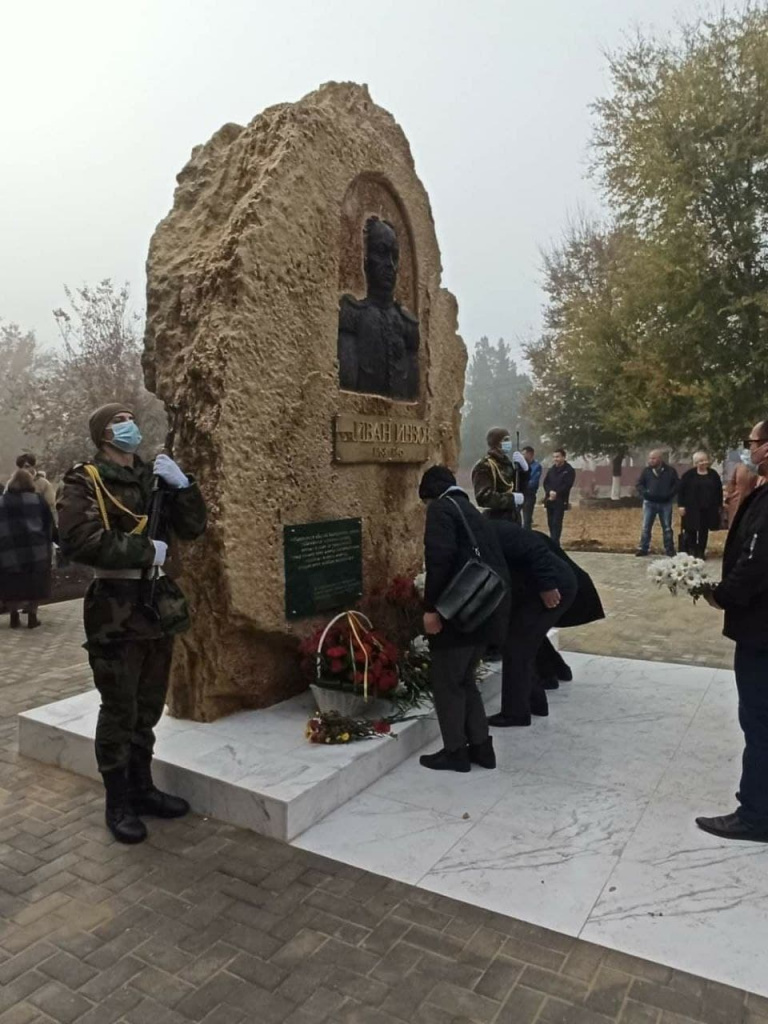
747 441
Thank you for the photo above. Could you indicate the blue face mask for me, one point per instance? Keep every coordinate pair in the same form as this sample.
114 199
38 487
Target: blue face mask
506 446
126 436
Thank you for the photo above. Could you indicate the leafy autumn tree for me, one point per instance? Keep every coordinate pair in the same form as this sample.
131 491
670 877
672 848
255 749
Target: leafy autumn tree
494 396
587 366
681 149
99 360
19 354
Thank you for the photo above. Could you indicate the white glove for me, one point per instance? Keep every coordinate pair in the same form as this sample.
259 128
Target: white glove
167 470
519 460
519 499
161 550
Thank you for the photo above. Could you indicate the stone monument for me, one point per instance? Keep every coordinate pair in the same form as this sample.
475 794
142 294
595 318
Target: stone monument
297 326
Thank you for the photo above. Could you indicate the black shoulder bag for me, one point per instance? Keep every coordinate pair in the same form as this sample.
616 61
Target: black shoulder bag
475 592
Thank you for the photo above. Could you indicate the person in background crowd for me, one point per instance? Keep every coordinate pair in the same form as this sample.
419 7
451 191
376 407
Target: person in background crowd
700 498
657 486
455 655
132 611
743 595
558 483
43 487
532 489
542 588
741 482
26 539
501 477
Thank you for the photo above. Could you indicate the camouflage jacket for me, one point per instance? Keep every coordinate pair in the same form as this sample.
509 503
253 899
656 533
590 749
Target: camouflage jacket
118 609
493 480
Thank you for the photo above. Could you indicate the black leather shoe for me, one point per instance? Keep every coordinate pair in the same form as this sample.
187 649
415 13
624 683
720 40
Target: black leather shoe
641 554
483 753
540 706
119 815
153 803
565 673
507 721
32 621
730 826
551 683
447 760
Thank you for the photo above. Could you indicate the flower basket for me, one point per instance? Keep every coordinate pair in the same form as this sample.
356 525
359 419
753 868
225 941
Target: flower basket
351 664
343 702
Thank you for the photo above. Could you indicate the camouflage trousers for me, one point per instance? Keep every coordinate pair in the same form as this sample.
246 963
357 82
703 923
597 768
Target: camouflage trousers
132 679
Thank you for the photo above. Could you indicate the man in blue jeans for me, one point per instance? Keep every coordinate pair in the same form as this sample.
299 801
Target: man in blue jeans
657 486
743 596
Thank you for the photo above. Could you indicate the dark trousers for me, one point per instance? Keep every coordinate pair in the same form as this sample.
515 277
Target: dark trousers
696 542
549 661
751 668
555 515
132 679
459 706
529 506
528 628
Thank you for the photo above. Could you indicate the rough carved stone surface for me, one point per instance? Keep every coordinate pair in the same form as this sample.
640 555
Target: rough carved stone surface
244 280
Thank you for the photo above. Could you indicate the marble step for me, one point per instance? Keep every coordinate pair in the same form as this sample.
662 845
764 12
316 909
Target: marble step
254 769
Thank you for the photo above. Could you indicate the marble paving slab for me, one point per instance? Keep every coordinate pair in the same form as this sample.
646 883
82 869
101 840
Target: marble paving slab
254 769
587 827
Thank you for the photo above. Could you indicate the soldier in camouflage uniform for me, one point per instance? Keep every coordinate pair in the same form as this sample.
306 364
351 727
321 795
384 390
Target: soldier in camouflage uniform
500 478
130 621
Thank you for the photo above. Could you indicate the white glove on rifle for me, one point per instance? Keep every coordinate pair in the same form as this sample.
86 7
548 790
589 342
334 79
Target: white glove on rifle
519 499
519 461
167 470
161 550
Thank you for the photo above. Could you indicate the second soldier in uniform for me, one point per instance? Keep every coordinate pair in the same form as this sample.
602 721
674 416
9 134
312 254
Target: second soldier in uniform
130 620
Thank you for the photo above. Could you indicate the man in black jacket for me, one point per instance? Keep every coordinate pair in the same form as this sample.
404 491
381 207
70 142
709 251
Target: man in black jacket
558 483
743 595
657 486
455 655
542 588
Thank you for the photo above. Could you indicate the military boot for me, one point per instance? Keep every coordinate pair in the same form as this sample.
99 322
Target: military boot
146 798
120 817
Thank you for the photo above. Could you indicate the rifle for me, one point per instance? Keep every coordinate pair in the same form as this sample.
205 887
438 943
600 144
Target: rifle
156 501
517 468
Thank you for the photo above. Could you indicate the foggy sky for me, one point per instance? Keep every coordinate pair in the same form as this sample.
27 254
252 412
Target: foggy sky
103 101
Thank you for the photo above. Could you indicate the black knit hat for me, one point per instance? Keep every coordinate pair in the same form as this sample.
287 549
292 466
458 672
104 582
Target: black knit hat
102 417
435 482
495 436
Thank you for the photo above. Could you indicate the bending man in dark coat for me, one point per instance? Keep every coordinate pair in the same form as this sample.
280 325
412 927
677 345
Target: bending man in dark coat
455 655
543 588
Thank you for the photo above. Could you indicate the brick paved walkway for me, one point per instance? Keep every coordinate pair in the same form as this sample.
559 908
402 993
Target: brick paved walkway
645 622
210 923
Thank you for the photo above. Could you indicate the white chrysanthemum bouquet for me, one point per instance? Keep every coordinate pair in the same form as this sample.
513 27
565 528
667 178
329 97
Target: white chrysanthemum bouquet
682 573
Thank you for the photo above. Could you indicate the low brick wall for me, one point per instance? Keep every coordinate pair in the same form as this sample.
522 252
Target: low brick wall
617 529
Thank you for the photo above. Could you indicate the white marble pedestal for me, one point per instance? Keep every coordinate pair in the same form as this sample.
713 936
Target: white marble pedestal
254 769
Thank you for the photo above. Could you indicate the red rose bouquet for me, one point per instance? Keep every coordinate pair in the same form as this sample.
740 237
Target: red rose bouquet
351 656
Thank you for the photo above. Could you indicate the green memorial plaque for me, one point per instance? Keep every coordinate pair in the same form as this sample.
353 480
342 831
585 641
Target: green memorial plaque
323 566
